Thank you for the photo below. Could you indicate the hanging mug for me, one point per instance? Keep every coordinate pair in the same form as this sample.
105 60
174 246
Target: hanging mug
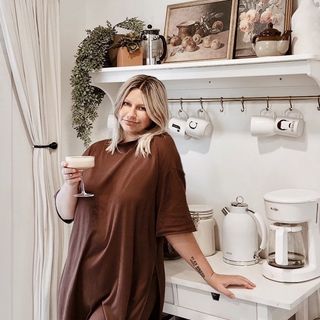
263 125
177 125
291 124
200 126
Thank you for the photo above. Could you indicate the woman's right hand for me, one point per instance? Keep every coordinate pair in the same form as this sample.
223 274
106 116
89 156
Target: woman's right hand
65 200
71 176
221 282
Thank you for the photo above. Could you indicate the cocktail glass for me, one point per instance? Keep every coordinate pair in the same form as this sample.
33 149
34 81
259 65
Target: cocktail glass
81 163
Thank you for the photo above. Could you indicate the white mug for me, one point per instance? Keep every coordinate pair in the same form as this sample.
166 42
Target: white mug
177 126
198 127
289 126
263 125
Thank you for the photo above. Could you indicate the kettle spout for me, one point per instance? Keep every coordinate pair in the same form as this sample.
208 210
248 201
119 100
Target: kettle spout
225 211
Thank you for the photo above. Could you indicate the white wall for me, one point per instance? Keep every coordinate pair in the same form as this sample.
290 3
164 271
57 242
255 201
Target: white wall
72 31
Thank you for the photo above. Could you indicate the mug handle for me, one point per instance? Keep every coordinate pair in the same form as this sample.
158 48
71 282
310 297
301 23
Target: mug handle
203 114
296 112
182 114
265 112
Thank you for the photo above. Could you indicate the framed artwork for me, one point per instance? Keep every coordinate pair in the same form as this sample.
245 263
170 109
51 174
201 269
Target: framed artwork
200 30
254 17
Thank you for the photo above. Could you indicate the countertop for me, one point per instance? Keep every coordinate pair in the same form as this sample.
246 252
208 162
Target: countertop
267 292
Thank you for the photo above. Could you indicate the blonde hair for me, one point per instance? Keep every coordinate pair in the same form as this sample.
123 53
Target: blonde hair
154 97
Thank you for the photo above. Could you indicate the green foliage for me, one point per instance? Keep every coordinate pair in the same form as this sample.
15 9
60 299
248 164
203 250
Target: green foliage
133 24
90 56
132 39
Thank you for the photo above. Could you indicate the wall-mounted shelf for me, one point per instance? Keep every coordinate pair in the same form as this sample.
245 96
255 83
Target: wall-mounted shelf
231 72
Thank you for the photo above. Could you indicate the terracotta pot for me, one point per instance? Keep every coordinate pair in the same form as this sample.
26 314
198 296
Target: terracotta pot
112 52
125 58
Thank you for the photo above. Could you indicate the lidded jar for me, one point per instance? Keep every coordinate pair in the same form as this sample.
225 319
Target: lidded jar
202 216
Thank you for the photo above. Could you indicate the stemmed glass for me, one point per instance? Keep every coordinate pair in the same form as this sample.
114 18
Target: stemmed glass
81 163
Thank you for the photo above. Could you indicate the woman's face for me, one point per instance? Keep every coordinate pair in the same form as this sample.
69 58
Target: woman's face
133 116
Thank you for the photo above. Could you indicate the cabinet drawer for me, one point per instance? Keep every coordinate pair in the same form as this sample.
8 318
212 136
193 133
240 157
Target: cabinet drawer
168 293
202 301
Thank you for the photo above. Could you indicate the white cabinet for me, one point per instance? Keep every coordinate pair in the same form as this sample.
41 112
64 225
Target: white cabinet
203 302
169 297
188 295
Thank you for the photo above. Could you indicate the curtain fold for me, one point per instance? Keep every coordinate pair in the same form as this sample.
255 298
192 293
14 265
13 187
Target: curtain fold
32 43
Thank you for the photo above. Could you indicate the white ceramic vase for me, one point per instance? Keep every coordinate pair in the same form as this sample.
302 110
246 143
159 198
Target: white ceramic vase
305 24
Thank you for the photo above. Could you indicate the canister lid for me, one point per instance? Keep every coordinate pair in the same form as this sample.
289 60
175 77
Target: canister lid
200 208
292 196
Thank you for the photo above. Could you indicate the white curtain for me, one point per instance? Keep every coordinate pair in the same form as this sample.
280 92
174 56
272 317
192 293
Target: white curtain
31 34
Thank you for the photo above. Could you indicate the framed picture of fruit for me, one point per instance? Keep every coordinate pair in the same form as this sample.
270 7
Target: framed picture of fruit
200 30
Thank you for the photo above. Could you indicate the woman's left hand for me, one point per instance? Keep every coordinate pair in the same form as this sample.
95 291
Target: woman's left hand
220 282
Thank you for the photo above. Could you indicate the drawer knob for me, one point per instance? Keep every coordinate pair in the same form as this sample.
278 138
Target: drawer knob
215 296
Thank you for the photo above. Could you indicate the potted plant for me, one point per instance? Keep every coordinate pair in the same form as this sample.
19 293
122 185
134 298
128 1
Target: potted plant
129 51
94 53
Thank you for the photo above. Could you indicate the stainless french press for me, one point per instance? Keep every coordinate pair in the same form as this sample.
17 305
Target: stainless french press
154 46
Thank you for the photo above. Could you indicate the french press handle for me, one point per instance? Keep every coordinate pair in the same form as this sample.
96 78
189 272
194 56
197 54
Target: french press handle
164 45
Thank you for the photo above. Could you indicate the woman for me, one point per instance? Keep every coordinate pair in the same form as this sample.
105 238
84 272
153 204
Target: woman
114 269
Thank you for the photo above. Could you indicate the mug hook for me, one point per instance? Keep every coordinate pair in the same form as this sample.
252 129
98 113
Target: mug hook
290 102
242 104
221 103
268 106
181 111
201 105
181 107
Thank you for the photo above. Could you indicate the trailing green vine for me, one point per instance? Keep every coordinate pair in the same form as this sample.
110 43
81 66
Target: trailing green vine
91 55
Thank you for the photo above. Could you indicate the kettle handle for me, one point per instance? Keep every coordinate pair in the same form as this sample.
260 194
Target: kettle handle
164 44
263 228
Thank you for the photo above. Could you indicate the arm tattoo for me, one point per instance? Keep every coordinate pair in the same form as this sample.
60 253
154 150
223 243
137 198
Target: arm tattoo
196 266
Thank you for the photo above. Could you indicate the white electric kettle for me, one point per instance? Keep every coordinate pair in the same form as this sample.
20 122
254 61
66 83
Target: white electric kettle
240 234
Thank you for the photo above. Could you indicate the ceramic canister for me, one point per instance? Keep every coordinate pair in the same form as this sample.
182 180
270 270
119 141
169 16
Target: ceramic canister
202 216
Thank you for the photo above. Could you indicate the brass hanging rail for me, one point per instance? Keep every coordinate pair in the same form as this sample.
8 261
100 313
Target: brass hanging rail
246 99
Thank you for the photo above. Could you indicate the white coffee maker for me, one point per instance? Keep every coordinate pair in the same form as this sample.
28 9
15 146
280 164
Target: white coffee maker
293 251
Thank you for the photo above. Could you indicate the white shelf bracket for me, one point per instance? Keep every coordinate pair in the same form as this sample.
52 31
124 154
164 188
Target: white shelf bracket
315 71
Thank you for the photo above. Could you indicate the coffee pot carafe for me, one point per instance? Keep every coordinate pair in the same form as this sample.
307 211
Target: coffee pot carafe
286 248
294 235
154 46
240 234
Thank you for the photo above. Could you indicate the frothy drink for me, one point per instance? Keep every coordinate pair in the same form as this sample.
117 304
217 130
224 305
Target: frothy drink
80 162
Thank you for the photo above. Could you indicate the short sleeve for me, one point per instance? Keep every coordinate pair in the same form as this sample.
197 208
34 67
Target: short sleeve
173 215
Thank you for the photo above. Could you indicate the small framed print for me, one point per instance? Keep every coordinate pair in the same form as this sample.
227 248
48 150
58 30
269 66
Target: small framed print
254 16
200 30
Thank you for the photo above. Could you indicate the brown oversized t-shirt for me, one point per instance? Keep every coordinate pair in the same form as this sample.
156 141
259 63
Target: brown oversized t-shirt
115 250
